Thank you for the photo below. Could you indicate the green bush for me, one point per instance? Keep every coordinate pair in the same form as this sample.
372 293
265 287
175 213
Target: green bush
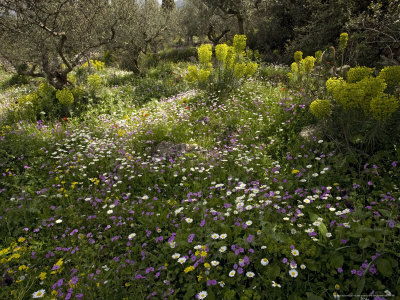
358 73
229 70
391 75
16 79
65 97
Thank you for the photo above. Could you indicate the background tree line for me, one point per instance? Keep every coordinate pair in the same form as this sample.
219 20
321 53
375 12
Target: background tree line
48 38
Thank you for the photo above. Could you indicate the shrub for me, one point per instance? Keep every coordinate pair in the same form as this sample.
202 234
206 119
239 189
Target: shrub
94 82
383 106
358 73
321 108
16 79
230 69
65 97
363 109
302 71
360 92
391 75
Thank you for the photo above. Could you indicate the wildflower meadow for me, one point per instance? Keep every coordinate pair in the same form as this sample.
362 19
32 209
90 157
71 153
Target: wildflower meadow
202 180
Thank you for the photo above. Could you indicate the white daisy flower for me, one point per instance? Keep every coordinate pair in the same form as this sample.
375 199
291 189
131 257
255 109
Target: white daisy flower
202 295
215 236
232 273
295 252
274 284
39 294
131 236
110 211
182 260
223 236
250 274
176 256
222 249
293 273
248 223
328 234
317 223
264 261
58 221
189 220
215 263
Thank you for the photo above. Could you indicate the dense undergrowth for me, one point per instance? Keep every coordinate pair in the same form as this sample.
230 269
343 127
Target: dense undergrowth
89 209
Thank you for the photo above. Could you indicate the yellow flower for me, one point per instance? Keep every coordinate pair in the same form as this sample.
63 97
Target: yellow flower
391 75
221 51
65 97
298 56
294 171
204 53
192 74
382 107
203 254
42 275
207 265
239 70
239 43
307 64
344 37
358 73
320 109
295 67
188 269
22 267
59 262
203 75
4 251
94 81
318 56
230 58
251 68
350 96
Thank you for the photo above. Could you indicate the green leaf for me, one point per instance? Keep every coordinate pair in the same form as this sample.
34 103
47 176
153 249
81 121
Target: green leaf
312 265
360 285
312 296
337 261
274 271
384 267
365 242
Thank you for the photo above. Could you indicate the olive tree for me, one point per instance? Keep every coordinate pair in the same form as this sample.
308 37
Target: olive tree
145 26
48 38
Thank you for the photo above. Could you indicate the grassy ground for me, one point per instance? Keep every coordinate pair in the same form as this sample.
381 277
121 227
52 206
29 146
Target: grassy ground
90 210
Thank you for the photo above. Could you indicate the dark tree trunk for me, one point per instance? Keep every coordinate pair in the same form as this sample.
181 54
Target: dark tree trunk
240 23
213 37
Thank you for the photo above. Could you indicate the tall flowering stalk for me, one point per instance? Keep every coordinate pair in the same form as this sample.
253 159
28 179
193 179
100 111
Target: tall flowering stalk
229 69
